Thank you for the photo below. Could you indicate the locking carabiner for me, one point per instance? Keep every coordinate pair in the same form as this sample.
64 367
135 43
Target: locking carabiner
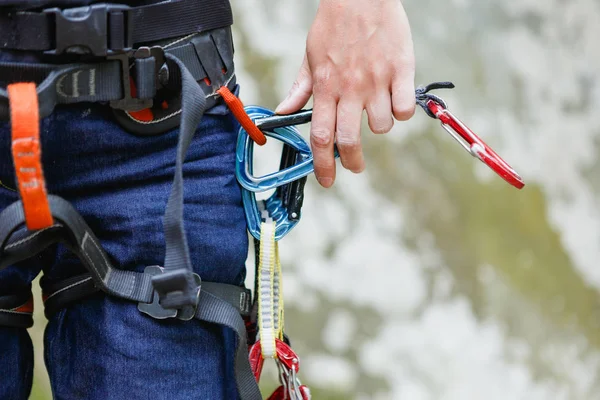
285 204
436 108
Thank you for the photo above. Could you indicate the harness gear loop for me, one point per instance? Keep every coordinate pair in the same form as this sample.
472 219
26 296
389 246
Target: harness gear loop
436 108
26 152
237 108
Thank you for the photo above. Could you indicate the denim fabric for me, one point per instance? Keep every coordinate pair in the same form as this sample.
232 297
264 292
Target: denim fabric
103 348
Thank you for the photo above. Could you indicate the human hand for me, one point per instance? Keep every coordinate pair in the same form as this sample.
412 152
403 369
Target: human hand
359 56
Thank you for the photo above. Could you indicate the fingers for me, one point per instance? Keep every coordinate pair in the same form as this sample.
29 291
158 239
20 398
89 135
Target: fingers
403 92
347 136
299 93
379 111
321 138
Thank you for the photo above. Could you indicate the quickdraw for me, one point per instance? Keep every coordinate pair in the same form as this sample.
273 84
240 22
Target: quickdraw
271 219
271 342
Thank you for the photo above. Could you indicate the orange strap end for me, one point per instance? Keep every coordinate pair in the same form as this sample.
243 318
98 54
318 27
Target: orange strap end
27 155
237 108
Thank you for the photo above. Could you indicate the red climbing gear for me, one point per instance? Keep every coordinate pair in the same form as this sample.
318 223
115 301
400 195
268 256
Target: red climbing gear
474 144
436 108
288 364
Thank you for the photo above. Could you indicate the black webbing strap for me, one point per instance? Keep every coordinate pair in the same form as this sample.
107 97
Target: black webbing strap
69 291
218 303
60 295
106 28
177 258
82 241
177 283
16 311
64 84
104 81
23 242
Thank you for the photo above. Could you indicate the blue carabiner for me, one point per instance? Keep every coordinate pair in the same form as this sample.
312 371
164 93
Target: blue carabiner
274 207
245 150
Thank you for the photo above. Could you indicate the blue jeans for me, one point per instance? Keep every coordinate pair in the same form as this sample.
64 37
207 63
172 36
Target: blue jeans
103 347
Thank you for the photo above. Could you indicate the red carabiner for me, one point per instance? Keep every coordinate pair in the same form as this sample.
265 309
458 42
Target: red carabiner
284 352
473 144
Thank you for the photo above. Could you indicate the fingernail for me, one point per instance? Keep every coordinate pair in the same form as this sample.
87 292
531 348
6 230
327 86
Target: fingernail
325 182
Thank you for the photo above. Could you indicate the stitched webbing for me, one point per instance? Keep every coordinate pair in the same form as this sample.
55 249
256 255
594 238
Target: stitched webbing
177 256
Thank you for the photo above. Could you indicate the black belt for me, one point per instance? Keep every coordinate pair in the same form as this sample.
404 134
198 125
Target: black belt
104 29
208 56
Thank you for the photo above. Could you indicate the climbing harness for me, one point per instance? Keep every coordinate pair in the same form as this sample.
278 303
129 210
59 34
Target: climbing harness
151 89
186 69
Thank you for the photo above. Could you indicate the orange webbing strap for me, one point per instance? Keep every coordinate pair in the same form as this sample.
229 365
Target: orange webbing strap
27 156
237 108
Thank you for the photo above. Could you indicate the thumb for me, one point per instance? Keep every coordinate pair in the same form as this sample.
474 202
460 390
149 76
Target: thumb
299 93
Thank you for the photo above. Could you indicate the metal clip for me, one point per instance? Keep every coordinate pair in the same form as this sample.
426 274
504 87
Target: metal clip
436 108
288 365
285 205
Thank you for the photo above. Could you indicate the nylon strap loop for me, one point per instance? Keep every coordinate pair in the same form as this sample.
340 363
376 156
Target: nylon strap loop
27 155
237 108
270 298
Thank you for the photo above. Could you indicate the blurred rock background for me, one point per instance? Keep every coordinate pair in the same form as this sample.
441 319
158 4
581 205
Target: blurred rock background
427 277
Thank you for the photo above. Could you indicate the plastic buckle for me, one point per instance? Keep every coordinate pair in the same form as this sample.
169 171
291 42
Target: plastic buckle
92 29
176 294
128 102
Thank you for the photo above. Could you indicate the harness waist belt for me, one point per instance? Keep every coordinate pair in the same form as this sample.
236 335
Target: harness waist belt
208 56
103 29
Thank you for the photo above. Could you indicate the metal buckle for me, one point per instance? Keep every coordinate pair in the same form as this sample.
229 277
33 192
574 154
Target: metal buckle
179 296
90 29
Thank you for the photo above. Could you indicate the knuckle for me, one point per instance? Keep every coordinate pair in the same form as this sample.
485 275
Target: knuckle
353 79
320 137
322 76
380 71
348 142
